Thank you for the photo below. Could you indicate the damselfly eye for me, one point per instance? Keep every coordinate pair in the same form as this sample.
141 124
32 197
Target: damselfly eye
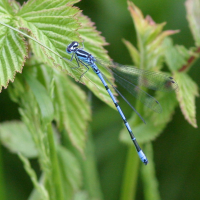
71 47
75 44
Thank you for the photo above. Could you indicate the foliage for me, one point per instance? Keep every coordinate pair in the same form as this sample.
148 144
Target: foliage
55 111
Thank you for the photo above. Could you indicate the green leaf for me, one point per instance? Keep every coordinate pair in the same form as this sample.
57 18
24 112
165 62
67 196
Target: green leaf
70 170
12 48
133 52
177 56
15 6
16 137
71 109
35 195
150 37
151 190
53 24
5 9
58 32
40 188
193 16
92 36
82 195
42 97
188 90
168 102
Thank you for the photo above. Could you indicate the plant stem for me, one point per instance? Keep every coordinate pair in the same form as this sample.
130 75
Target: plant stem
130 175
190 61
56 176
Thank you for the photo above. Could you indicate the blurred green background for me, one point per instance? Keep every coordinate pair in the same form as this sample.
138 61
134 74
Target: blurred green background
176 150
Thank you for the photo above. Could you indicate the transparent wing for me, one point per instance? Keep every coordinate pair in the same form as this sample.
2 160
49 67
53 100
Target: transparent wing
132 79
149 79
140 94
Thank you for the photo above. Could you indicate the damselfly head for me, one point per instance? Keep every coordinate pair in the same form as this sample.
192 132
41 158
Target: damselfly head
71 47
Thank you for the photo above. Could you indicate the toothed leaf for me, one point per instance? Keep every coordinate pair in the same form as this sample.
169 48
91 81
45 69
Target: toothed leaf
193 16
12 47
71 110
188 90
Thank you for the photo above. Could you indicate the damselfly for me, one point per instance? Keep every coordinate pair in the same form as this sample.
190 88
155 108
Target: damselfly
131 79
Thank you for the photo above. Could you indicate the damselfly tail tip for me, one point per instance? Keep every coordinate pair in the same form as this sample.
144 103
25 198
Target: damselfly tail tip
145 161
143 157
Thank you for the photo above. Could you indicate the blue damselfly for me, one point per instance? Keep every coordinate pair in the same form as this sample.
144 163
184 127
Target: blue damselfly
131 79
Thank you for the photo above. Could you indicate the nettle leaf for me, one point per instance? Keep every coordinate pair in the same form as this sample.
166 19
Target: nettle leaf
177 57
193 16
12 47
17 138
188 90
150 37
72 110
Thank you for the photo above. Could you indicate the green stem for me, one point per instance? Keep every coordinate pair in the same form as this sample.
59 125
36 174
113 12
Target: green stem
56 176
130 175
